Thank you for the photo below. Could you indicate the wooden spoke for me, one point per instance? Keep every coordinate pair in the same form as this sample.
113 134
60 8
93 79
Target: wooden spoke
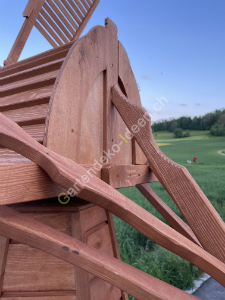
65 12
45 34
72 177
35 234
201 216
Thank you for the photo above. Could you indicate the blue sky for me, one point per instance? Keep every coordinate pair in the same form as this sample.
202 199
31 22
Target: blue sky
176 49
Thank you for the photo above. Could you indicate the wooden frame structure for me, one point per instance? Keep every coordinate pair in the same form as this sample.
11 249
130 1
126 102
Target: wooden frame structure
65 127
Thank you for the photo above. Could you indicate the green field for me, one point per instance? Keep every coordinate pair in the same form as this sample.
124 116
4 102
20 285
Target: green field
209 173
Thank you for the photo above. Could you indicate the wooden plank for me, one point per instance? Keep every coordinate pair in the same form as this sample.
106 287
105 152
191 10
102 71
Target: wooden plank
23 295
85 4
23 35
49 30
86 19
31 72
102 290
37 60
65 12
130 89
54 26
89 2
28 84
26 262
28 115
80 7
115 245
26 99
117 273
82 277
167 213
45 34
69 174
72 12
59 18
198 211
75 8
29 8
121 176
93 217
4 246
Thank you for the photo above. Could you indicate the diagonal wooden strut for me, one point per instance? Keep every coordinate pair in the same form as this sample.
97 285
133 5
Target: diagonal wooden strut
35 234
59 24
69 175
190 199
167 213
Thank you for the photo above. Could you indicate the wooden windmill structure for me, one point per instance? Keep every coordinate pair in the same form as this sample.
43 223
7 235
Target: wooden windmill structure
67 126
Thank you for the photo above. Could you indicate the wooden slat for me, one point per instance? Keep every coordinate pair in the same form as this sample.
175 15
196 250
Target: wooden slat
72 12
4 246
26 99
80 7
84 4
198 211
45 34
49 30
86 19
167 213
54 26
29 8
23 35
89 2
62 22
37 60
69 174
25 262
28 115
31 72
29 84
48 295
82 277
115 245
76 9
35 131
137 283
65 12
121 176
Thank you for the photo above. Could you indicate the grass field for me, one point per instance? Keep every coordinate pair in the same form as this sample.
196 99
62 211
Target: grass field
209 172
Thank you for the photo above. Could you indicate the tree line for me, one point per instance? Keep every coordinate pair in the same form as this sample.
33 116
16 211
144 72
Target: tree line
214 121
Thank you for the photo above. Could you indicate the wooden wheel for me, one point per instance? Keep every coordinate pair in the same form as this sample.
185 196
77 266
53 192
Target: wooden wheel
76 135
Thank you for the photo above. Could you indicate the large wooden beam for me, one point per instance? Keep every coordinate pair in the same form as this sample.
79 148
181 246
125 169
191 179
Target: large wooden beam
24 33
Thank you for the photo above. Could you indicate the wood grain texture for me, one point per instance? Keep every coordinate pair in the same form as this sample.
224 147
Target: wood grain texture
67 173
129 86
201 216
23 35
4 246
26 99
121 176
35 234
81 276
82 87
167 213
28 84
29 8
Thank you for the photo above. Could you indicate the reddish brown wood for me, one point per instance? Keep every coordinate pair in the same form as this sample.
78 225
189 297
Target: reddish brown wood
4 245
201 216
167 213
121 176
71 176
40 236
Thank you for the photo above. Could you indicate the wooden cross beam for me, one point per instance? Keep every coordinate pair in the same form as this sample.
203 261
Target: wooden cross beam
59 21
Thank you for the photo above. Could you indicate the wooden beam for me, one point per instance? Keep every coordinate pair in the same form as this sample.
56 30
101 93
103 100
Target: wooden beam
4 246
23 34
29 8
37 235
121 176
198 211
167 213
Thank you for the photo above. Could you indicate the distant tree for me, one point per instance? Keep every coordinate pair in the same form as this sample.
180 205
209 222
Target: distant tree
219 128
178 133
186 134
174 126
